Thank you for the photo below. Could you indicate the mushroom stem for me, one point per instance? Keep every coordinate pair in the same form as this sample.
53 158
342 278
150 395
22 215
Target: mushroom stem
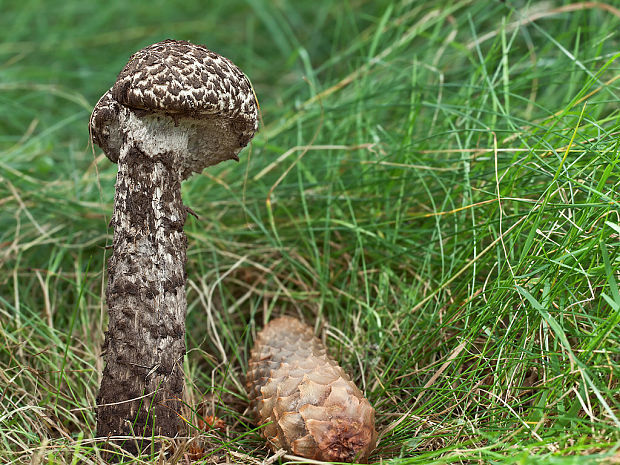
145 343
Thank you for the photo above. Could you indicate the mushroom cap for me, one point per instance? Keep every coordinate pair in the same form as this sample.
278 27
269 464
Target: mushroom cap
181 80
104 126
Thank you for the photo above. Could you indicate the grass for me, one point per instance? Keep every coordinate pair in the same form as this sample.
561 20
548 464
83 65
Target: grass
434 186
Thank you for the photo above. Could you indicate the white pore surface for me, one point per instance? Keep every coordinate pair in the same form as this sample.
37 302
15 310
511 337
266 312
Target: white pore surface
194 143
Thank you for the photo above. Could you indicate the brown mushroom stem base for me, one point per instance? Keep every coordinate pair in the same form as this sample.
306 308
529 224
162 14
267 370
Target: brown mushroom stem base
142 383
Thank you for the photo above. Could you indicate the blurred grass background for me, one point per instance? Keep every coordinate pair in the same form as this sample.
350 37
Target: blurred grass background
434 187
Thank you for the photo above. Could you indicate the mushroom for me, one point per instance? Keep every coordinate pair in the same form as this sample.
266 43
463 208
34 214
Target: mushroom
175 109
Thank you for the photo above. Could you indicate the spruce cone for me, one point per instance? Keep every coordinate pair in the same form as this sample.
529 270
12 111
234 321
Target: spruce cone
308 404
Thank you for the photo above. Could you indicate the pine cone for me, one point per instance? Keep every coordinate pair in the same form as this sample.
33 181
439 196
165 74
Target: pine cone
306 402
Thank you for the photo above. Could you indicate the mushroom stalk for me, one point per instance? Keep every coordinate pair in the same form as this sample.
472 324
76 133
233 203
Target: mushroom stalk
145 341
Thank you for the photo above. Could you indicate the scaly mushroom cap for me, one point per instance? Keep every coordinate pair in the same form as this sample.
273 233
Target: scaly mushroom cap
104 126
192 85
179 78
